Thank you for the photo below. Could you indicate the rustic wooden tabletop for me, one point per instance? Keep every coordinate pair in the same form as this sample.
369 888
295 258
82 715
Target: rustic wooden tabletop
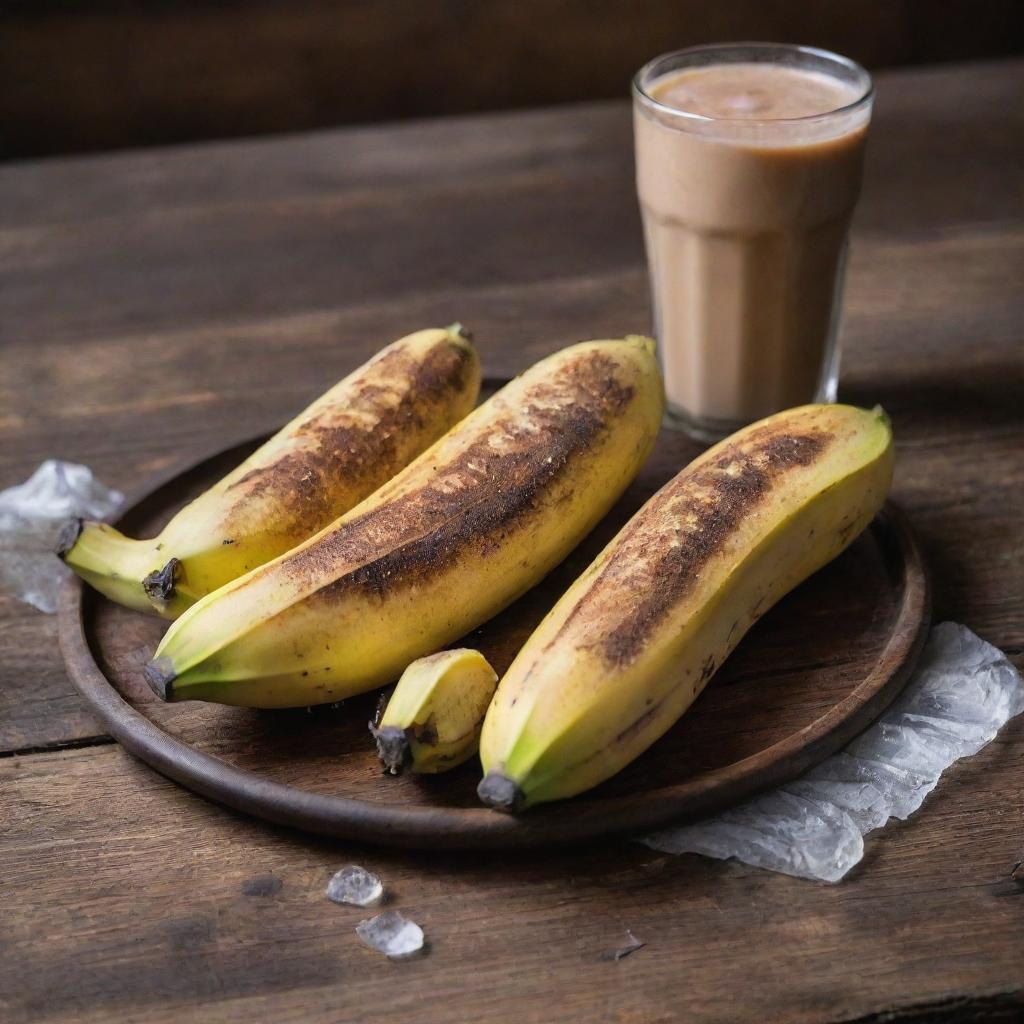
162 303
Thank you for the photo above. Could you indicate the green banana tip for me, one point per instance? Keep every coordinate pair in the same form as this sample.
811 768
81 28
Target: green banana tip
392 748
643 341
160 675
68 537
499 792
460 330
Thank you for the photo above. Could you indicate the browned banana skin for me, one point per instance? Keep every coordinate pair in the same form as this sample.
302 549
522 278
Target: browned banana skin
484 493
446 544
716 497
635 639
337 452
370 437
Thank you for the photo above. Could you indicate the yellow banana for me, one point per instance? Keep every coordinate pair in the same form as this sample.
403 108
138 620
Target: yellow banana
332 455
474 522
432 721
635 639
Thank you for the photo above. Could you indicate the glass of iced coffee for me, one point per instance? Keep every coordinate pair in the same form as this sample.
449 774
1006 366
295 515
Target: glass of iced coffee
748 162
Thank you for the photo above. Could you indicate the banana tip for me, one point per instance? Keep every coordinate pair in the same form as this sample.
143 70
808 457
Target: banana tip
643 341
460 330
392 748
68 537
160 675
500 793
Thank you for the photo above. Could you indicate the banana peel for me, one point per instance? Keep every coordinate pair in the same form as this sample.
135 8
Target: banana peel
636 638
432 721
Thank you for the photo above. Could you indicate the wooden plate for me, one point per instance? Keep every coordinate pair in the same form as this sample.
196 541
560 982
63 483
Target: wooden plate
810 675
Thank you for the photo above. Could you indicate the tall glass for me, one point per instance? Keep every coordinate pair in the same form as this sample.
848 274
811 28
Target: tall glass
748 162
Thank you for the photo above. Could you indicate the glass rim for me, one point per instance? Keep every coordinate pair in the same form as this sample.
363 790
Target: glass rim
640 92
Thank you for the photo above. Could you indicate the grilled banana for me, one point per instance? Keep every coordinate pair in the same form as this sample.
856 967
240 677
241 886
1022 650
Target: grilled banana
432 721
331 456
633 642
455 537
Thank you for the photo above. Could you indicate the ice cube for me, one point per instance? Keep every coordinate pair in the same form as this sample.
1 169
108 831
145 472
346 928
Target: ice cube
32 515
392 934
355 886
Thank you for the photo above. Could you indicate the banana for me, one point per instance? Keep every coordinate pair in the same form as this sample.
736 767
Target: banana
329 458
432 721
459 534
635 639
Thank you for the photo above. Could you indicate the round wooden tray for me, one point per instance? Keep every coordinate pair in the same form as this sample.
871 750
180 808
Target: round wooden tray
809 676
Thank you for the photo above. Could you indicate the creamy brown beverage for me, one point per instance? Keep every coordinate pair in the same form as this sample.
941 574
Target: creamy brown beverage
748 170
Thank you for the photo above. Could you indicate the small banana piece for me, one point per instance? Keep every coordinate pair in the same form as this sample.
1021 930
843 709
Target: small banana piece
432 721
459 534
329 458
636 638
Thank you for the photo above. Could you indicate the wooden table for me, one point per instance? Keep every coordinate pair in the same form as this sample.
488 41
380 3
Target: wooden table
158 304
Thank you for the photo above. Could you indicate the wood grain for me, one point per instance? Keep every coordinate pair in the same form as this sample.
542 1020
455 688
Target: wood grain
127 899
143 903
138 72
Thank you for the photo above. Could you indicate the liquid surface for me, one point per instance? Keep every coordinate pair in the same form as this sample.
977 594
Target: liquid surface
752 92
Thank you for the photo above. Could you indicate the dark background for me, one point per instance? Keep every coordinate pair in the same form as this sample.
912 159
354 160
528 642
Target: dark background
79 75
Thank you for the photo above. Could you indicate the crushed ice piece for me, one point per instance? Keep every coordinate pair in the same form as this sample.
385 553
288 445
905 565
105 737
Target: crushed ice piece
355 886
31 517
962 693
392 934
631 945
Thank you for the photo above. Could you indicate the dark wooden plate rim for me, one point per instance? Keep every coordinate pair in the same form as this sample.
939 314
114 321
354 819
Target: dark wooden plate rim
575 820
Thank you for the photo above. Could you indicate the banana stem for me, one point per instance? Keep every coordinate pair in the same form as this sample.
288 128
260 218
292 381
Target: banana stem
392 748
114 564
501 793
